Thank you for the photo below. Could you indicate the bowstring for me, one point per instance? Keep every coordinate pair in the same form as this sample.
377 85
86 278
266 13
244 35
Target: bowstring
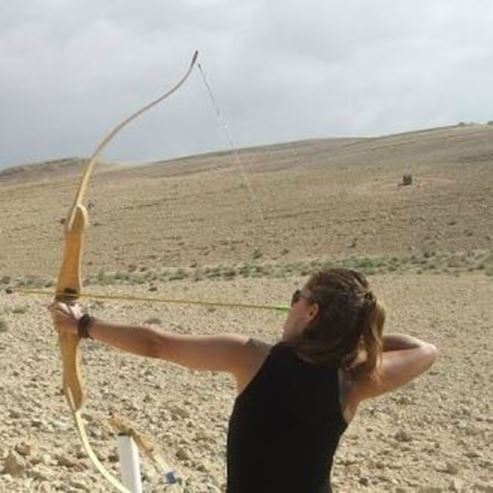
232 144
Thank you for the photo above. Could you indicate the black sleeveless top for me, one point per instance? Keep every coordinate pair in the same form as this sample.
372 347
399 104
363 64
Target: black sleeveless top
285 427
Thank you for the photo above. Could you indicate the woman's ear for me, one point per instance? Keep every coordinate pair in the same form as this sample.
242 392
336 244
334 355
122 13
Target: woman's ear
313 311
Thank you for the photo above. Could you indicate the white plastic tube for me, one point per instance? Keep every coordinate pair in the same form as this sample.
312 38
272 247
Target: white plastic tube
129 463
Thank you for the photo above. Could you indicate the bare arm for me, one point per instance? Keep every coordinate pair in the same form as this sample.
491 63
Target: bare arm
215 353
396 342
404 358
229 353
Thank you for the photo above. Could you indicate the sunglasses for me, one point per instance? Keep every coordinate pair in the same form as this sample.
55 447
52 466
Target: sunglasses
297 295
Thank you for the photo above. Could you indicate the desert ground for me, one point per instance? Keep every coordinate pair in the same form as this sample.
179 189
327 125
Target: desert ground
250 230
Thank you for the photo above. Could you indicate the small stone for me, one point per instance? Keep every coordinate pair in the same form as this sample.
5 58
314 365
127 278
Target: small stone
87 418
79 485
96 433
113 456
14 465
41 473
403 400
180 412
456 485
24 449
202 467
182 454
45 487
364 481
484 487
65 461
46 459
38 423
403 436
80 453
451 468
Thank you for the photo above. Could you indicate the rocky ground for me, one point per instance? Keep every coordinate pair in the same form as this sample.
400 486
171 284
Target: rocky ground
433 435
205 228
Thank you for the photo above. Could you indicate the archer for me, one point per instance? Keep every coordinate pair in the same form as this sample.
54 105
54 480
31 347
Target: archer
295 398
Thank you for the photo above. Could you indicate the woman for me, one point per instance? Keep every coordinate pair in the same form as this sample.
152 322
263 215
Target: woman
295 398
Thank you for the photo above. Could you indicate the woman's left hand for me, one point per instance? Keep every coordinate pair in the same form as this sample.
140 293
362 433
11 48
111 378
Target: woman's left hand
65 317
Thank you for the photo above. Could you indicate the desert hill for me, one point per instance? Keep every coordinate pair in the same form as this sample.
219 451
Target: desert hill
45 170
324 198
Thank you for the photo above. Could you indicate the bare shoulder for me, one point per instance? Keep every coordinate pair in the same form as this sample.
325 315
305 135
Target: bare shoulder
256 353
259 348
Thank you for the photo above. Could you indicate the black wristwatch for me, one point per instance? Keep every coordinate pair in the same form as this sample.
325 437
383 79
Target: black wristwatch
84 324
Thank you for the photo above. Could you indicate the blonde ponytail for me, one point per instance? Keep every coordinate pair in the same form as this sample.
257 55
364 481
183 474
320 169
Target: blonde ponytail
372 334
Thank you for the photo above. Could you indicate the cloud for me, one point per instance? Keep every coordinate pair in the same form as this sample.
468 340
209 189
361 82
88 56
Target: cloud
279 71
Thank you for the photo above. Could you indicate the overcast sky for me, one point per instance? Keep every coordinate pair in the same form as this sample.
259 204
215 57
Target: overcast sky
280 71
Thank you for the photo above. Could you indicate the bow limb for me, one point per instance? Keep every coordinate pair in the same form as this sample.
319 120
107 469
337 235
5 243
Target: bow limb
70 282
69 285
109 136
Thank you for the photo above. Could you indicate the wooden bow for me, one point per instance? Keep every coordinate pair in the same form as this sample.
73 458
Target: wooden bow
69 285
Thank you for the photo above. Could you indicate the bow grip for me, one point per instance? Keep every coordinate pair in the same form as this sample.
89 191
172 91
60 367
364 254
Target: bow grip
68 288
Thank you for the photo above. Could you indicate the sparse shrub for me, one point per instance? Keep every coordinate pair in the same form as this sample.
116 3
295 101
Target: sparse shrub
3 325
153 321
244 270
257 253
34 282
122 276
178 275
407 180
212 272
5 280
229 274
